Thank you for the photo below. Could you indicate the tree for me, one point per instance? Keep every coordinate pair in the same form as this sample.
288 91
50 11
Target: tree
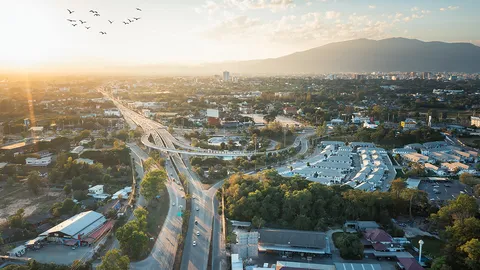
472 249
98 144
322 130
416 198
397 186
350 246
55 176
149 163
80 195
258 222
33 182
141 214
113 260
440 263
469 179
460 209
17 220
270 117
153 183
67 189
476 190
133 241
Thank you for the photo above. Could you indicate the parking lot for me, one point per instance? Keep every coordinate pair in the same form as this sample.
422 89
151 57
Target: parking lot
447 190
59 254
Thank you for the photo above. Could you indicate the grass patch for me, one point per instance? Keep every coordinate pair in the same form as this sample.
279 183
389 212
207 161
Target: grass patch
157 213
432 246
181 237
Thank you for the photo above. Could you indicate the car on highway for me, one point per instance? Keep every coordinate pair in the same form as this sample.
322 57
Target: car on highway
194 243
198 233
173 203
197 208
196 222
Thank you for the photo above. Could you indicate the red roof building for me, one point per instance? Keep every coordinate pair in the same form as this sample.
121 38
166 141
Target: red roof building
378 236
289 110
410 264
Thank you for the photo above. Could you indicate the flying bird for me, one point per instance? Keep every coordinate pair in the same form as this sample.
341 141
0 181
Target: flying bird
87 27
92 11
139 9
70 11
103 33
136 19
74 24
96 14
125 23
82 22
130 20
110 21
71 20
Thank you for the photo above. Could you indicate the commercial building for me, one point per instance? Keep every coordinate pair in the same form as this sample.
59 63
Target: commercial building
288 242
112 112
40 162
77 228
213 117
226 76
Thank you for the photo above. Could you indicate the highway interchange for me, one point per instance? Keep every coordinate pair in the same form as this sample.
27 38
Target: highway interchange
204 209
194 257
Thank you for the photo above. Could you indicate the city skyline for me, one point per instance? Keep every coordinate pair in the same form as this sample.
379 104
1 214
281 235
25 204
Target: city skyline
194 32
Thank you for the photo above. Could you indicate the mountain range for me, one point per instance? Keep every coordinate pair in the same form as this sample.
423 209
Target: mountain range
364 55
359 55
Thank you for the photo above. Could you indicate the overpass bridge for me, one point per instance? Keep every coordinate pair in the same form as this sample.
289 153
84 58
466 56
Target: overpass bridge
159 133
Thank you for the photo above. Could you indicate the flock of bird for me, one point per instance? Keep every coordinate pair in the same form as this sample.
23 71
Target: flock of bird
96 14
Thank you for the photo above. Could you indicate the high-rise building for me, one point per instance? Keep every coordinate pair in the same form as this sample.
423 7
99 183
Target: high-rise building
226 76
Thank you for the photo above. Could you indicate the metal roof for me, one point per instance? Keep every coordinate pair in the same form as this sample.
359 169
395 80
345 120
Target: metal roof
84 222
285 239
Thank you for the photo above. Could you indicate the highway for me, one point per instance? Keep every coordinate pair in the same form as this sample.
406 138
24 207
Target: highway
204 204
163 253
194 257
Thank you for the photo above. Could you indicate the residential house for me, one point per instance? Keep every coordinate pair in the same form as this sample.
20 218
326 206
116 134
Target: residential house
289 110
435 169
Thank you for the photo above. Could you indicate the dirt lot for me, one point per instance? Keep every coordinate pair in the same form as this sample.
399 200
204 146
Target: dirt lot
18 196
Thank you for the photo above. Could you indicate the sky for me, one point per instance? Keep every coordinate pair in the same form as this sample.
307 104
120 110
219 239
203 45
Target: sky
36 33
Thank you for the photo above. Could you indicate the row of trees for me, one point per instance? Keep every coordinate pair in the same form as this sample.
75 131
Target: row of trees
459 221
293 202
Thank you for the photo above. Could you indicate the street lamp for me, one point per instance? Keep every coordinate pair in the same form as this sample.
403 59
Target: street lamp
420 242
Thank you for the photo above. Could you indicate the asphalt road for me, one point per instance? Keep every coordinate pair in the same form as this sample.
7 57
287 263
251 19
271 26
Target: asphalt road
162 255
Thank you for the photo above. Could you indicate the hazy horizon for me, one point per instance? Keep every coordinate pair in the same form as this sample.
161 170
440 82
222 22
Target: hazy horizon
194 32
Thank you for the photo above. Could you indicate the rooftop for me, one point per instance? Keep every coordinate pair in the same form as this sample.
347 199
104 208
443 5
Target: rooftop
292 238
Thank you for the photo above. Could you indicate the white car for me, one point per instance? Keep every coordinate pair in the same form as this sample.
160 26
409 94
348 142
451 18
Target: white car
197 208
173 204
198 233
194 243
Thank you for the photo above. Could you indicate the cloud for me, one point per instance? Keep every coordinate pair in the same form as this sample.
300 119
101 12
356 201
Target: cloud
273 5
236 26
372 7
414 9
332 14
449 8
209 7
